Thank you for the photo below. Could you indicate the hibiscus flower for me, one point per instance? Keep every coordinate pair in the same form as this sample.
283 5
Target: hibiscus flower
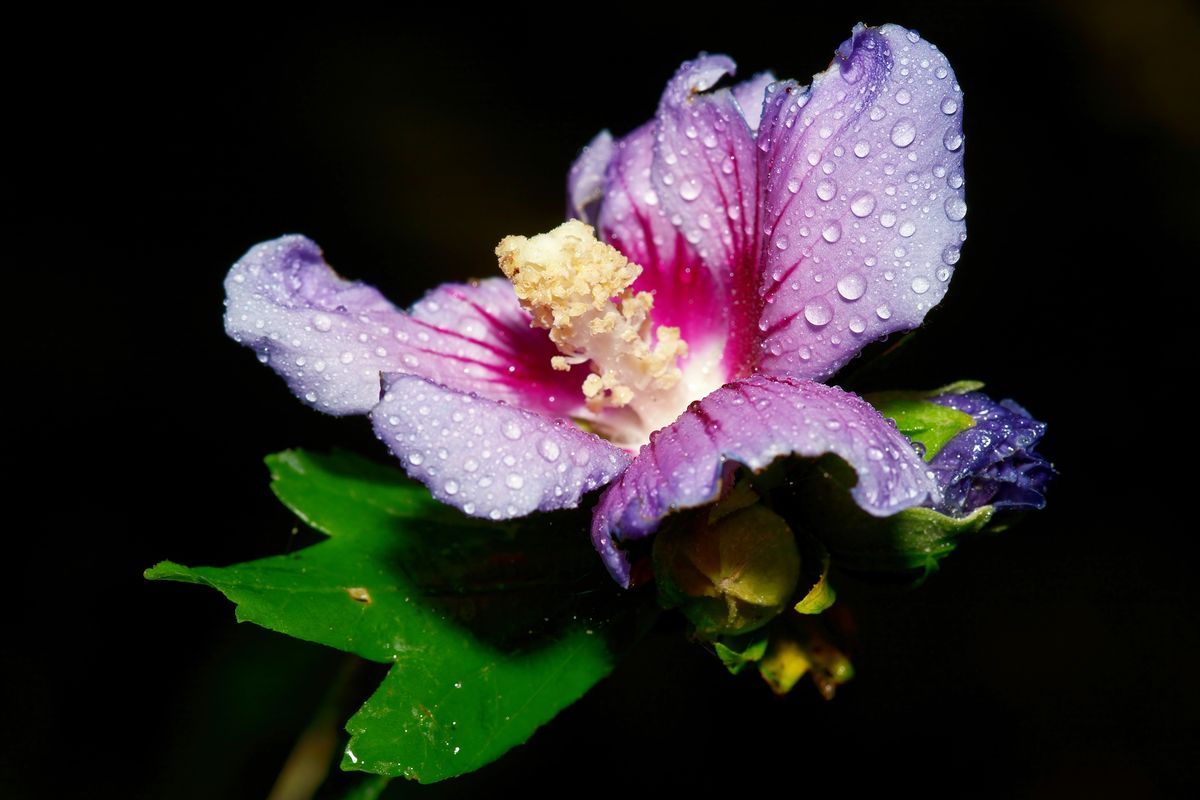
725 258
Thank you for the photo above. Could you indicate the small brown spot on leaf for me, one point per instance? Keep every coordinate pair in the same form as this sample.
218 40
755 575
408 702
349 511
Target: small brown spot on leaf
359 594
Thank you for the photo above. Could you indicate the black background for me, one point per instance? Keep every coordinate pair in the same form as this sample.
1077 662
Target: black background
1060 657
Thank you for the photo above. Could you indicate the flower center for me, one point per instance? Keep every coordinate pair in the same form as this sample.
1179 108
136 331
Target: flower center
577 288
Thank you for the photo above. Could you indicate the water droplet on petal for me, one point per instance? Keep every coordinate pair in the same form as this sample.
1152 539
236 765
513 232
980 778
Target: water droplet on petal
907 228
952 140
862 149
322 322
781 243
874 453
549 450
415 459
690 189
883 312
949 105
903 133
956 208
851 286
862 204
857 324
831 232
514 481
451 487
512 431
920 284
887 219
827 189
793 185
818 312
951 255
902 97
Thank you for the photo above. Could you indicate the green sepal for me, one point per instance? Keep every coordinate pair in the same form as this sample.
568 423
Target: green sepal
913 539
820 595
927 423
736 655
492 628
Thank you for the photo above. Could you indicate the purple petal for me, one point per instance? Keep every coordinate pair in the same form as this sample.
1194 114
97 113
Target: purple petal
631 219
477 338
487 458
704 173
585 180
993 463
332 339
862 186
752 422
308 324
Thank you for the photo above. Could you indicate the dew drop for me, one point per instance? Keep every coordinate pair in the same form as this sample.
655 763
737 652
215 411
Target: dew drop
781 243
920 284
451 487
415 458
956 208
949 105
903 133
851 286
322 322
857 324
347 357
826 189
907 228
512 431
549 450
831 232
862 149
690 189
883 312
862 204
887 219
793 185
951 255
310 397
818 312
874 453
902 97
952 140
514 481
877 114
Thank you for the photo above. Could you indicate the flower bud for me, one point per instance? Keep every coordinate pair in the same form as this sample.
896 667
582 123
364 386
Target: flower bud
730 573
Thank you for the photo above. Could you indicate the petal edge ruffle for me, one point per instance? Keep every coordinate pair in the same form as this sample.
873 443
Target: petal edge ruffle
752 422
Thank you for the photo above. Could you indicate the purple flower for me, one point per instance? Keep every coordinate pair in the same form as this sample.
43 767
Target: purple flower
993 463
763 235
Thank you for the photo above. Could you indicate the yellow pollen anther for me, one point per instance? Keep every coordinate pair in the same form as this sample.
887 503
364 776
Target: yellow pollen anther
577 288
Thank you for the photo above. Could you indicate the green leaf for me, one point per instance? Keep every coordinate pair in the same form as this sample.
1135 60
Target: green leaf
920 420
492 628
913 539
